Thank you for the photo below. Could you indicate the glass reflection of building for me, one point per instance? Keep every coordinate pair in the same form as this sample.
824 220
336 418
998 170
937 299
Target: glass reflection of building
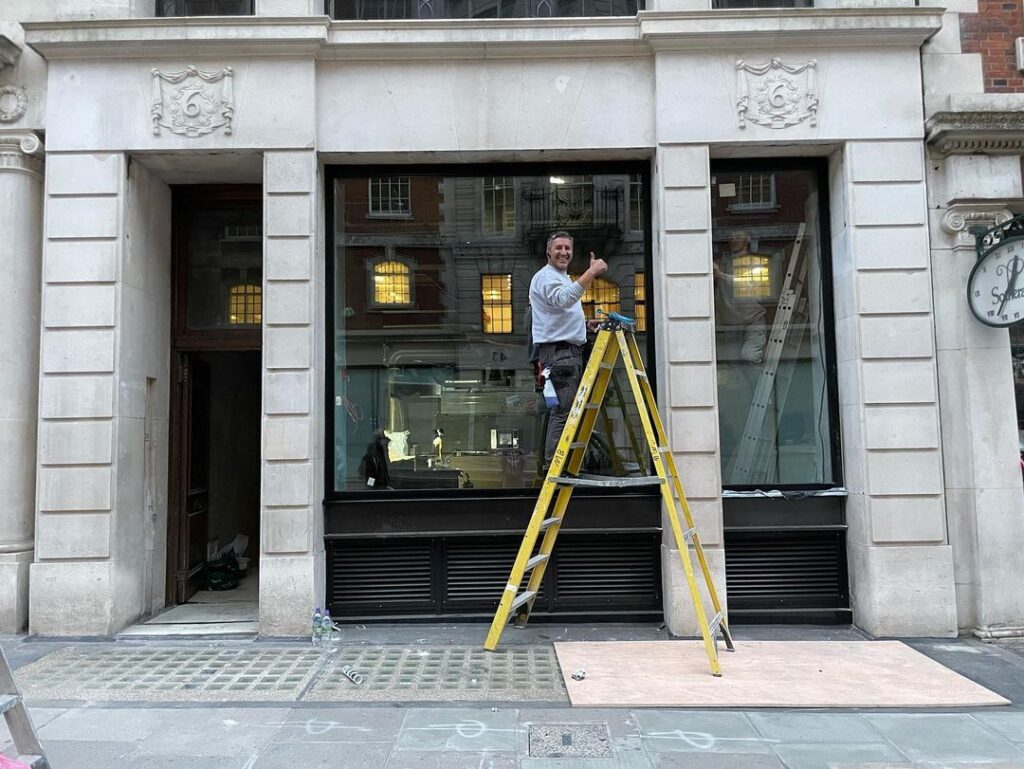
431 319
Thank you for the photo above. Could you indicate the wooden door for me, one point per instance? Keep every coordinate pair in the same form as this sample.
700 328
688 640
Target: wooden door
193 474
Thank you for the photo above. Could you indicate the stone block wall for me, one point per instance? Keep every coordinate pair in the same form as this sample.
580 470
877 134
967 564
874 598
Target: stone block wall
901 576
682 289
292 558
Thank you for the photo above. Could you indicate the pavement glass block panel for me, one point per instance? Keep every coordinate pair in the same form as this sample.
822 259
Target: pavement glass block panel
105 673
441 673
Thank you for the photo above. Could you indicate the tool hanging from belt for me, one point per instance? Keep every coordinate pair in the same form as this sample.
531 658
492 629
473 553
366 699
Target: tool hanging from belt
615 340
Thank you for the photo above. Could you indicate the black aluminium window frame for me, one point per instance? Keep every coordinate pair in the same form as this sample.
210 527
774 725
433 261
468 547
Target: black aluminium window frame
335 172
818 166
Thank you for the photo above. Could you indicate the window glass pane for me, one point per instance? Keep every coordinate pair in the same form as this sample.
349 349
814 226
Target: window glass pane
770 330
433 379
1017 350
225 266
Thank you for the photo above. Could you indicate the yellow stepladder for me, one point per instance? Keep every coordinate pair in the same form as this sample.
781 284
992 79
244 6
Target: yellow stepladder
615 341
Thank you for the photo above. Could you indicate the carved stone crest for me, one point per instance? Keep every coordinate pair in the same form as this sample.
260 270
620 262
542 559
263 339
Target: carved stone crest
13 103
776 94
192 102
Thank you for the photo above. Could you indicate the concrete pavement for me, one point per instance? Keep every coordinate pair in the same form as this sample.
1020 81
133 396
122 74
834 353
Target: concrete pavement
529 734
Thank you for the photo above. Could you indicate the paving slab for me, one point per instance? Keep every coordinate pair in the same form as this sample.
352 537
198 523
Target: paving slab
699 732
1010 726
637 761
815 727
948 737
833 756
214 732
453 729
329 725
71 754
716 761
40 717
416 759
365 755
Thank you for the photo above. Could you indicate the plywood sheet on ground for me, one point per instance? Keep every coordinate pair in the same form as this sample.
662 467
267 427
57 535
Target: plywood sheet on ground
769 674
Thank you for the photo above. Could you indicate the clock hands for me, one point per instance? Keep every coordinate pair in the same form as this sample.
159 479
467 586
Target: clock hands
1018 267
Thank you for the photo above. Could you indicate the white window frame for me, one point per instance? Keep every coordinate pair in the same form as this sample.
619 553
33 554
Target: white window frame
374 211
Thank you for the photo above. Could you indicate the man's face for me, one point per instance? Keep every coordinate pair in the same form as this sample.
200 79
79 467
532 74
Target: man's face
560 254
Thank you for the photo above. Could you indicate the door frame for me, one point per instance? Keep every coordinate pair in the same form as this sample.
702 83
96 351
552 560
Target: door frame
186 200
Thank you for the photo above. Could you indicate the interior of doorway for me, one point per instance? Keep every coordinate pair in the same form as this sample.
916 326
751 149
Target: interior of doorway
215 518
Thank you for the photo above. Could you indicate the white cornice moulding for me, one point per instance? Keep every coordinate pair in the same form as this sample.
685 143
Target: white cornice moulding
321 38
11 42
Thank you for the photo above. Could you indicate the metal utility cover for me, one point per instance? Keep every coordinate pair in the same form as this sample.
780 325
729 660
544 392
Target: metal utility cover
570 741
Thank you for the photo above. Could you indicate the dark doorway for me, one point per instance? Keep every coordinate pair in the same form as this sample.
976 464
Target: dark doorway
216 394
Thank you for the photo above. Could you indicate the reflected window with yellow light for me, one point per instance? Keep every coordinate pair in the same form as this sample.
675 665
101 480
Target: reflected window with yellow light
496 303
602 294
639 301
752 277
392 283
245 304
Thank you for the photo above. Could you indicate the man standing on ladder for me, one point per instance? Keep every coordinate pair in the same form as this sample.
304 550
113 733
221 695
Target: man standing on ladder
560 327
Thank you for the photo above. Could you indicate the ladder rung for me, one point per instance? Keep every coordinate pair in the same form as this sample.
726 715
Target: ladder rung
716 622
8 701
665 449
608 482
688 534
591 406
537 560
639 373
522 598
577 445
606 366
547 523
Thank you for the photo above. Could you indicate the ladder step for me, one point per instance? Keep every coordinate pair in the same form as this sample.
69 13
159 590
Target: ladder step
522 598
537 560
577 445
591 406
688 534
547 523
608 481
640 374
606 366
8 701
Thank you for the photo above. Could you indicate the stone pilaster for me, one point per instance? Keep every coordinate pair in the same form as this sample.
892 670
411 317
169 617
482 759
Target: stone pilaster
21 185
984 499
688 392
901 575
292 557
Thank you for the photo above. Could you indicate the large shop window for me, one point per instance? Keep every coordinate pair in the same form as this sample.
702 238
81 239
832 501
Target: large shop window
772 330
433 384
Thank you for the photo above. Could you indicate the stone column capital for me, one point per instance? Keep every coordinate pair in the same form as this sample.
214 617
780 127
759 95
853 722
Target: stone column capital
21 151
960 218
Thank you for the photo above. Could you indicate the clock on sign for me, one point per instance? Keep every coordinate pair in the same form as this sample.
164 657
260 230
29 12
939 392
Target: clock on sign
995 288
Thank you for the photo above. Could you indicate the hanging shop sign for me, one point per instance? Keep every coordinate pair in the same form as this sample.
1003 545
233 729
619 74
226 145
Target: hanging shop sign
995 288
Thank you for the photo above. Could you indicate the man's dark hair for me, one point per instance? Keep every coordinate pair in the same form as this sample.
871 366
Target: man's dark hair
554 236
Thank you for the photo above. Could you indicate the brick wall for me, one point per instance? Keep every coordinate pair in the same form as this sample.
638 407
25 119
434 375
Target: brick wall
992 33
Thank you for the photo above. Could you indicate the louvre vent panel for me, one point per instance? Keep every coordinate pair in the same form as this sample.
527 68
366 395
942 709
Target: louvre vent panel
380 573
441 576
609 568
780 570
477 570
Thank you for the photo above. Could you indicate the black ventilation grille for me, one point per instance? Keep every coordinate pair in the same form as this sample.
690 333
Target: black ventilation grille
381 576
786 571
613 570
616 574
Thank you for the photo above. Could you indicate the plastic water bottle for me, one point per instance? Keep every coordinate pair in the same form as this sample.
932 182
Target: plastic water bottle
550 396
326 629
317 627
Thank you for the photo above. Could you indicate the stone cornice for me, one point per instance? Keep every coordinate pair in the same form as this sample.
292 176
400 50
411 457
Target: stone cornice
20 151
790 28
995 132
319 37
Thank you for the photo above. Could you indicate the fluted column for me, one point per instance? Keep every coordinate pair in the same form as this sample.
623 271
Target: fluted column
21 189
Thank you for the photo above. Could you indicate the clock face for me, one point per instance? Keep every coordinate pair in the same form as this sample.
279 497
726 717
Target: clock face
995 289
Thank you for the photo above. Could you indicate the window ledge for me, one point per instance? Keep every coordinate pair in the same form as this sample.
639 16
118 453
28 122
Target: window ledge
321 38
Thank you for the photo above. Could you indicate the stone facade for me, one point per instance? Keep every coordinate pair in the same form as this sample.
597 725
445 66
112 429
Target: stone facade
933 505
